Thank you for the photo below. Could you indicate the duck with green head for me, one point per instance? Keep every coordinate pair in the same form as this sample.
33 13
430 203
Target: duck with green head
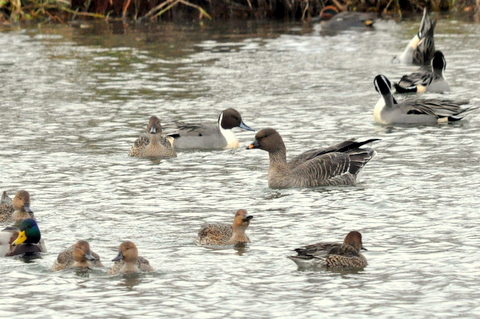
26 241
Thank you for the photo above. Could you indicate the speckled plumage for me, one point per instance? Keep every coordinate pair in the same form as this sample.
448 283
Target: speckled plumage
224 234
344 255
215 234
68 259
153 144
6 208
336 165
142 264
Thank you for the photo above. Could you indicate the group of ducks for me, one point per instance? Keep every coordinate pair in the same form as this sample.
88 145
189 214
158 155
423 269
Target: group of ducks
339 164
26 241
430 78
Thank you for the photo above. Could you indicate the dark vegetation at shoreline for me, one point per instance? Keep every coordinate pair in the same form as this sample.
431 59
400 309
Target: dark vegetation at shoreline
178 10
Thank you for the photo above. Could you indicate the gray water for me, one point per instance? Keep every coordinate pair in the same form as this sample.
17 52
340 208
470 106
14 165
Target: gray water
74 98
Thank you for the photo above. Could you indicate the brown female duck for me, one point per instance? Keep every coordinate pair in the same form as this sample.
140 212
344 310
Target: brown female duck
78 255
333 255
153 144
224 234
128 261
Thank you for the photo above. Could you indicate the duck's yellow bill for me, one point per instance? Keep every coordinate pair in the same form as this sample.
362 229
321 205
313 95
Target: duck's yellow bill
20 239
250 146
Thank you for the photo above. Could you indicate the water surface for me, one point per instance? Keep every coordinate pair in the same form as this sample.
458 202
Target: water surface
74 98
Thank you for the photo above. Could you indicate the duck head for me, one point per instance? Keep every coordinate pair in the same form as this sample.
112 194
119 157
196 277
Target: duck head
29 233
354 239
382 84
241 220
231 118
81 252
21 201
154 127
127 252
438 61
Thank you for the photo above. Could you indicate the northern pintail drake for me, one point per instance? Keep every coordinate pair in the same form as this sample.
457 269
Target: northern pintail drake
153 144
333 255
25 240
421 48
203 136
225 234
17 209
432 80
128 261
333 20
78 255
414 110
335 165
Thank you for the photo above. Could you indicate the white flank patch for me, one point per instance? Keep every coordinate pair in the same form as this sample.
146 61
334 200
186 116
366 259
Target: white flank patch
378 110
414 42
421 89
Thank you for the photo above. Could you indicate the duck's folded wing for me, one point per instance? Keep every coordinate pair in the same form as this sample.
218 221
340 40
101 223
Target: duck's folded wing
346 251
335 168
437 108
216 232
340 147
66 256
192 130
417 78
317 250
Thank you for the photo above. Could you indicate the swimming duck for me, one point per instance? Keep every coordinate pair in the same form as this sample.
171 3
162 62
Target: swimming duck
20 205
224 234
333 255
78 255
335 165
128 261
421 48
153 144
333 20
6 207
202 136
426 80
25 240
415 111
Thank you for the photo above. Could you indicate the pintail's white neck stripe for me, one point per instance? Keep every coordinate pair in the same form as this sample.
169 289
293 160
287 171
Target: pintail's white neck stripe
228 134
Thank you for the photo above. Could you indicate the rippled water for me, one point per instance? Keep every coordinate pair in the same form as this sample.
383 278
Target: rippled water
74 98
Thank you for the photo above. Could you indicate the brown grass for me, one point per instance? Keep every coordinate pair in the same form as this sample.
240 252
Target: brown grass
61 10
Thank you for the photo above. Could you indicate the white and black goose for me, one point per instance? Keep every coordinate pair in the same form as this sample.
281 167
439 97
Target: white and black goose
432 80
414 110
